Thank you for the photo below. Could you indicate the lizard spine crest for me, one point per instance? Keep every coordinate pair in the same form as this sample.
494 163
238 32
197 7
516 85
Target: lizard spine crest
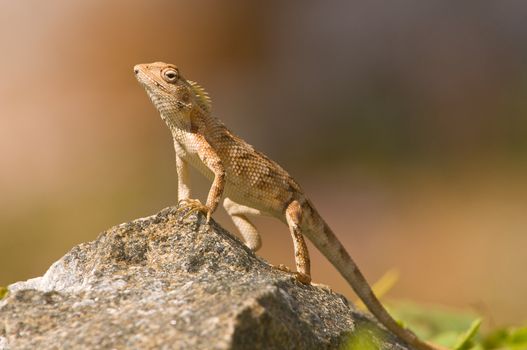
202 95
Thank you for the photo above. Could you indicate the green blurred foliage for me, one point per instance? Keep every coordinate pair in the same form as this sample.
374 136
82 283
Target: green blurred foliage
3 292
448 329
363 338
507 338
465 340
458 330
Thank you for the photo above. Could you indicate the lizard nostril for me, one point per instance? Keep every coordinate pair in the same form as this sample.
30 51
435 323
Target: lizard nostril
136 70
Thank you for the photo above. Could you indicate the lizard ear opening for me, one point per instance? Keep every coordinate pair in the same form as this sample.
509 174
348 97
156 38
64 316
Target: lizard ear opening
201 95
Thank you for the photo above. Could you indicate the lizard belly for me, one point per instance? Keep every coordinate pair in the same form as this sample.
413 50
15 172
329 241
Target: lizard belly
268 199
240 191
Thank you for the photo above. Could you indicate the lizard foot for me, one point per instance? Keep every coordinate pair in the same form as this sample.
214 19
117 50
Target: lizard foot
299 276
192 206
302 278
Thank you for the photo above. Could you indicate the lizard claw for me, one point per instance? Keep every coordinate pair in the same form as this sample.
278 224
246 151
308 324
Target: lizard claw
299 276
302 278
193 205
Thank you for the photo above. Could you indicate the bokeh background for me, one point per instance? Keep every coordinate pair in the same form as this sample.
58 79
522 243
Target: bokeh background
404 121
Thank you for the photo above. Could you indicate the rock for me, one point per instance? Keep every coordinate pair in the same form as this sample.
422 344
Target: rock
164 282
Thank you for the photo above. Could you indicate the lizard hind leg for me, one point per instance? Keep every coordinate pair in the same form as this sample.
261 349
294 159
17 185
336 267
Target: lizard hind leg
293 215
248 231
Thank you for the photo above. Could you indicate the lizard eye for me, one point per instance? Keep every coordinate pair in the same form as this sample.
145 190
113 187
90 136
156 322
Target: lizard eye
170 75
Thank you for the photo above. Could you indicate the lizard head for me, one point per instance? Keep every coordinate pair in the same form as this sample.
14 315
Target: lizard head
171 93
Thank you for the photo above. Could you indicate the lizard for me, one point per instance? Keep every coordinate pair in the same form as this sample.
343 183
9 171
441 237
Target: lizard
251 183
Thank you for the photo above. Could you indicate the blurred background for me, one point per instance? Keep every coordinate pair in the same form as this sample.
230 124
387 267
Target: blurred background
404 121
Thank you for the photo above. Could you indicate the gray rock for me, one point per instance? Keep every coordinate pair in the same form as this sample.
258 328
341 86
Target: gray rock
164 282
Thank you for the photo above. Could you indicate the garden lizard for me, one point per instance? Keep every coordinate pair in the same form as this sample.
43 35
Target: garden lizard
251 183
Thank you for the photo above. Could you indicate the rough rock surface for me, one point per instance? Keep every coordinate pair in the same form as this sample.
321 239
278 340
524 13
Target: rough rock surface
164 282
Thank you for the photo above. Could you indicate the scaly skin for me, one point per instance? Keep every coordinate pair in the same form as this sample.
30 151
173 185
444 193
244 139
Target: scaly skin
251 183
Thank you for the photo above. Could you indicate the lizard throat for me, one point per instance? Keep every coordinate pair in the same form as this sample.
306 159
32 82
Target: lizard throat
170 114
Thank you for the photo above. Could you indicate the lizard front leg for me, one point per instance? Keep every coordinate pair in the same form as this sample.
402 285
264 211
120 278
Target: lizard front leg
210 158
183 189
183 180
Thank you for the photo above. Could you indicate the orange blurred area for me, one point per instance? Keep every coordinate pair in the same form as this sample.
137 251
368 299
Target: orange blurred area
404 122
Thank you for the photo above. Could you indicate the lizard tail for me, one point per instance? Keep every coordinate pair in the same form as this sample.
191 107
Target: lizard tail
326 242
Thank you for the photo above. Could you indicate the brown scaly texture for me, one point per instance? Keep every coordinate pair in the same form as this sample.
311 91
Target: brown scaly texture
251 183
